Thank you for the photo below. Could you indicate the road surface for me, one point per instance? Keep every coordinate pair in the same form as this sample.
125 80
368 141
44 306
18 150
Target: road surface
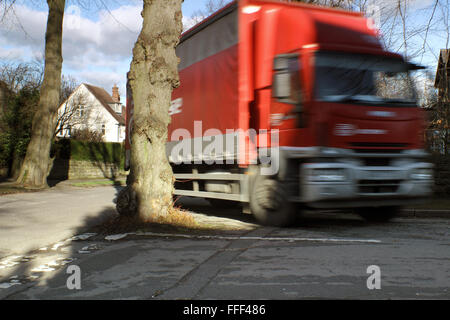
326 256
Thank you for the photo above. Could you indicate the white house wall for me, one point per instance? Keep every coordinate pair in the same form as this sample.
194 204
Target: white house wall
97 115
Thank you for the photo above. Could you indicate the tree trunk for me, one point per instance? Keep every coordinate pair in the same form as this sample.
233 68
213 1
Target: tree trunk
153 75
36 165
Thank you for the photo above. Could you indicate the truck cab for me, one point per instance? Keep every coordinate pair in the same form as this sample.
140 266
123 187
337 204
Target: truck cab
350 130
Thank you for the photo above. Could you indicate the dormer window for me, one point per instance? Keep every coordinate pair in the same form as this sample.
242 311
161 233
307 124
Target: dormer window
117 107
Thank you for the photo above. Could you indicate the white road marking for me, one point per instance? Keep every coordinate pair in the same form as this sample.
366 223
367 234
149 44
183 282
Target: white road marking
6 285
289 239
116 236
43 268
84 236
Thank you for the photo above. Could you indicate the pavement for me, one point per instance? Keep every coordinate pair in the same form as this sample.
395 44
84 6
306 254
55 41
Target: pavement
29 221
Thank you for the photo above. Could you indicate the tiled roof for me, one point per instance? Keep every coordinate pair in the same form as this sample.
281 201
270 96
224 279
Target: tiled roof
105 99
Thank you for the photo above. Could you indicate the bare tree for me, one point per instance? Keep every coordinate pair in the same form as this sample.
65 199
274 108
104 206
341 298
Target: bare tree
17 75
4 92
211 6
439 127
153 75
73 113
68 86
37 164
345 4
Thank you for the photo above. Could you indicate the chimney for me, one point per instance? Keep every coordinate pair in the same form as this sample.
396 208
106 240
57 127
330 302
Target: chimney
115 94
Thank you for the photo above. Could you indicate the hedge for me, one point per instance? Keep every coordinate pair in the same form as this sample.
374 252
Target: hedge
105 152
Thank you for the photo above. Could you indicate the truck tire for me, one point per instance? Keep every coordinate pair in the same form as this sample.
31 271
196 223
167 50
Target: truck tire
378 214
269 203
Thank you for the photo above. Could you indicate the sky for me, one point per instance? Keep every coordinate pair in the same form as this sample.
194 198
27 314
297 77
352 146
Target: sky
98 39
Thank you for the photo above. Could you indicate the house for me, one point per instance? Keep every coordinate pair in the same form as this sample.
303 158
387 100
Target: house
90 107
440 112
442 82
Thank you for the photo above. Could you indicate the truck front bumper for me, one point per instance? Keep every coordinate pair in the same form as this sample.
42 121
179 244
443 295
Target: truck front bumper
343 185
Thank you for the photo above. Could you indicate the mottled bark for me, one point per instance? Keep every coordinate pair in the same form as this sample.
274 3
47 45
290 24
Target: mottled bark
37 164
153 75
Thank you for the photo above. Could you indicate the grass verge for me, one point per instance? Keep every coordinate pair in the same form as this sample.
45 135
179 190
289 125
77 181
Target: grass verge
97 183
13 189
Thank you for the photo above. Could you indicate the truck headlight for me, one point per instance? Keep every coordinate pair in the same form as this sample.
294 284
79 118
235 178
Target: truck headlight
422 174
330 175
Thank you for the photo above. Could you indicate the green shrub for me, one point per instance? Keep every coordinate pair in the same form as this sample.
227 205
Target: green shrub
15 121
96 152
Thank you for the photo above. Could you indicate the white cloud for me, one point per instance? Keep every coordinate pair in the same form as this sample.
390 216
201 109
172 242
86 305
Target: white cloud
12 54
94 51
96 48
24 28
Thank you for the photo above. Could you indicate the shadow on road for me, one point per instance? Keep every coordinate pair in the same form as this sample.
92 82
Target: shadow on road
203 206
306 219
31 275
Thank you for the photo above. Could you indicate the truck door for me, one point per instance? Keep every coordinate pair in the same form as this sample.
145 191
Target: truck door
286 111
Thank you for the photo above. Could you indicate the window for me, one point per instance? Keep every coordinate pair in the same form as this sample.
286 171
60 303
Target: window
117 107
286 87
356 78
103 129
286 83
81 111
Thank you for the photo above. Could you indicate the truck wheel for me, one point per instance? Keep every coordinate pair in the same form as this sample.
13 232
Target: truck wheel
378 214
269 203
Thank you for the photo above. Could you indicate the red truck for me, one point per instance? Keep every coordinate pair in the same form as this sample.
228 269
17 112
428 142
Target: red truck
284 107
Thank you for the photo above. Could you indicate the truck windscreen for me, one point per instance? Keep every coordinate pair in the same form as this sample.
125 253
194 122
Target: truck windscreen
363 79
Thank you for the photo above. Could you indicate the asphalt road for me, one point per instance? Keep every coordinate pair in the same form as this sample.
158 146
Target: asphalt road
29 221
324 256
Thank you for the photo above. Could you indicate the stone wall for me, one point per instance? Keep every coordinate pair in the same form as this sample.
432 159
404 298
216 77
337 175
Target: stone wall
74 169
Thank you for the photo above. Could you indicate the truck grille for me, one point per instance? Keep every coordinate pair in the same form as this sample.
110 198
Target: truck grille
378 186
376 162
